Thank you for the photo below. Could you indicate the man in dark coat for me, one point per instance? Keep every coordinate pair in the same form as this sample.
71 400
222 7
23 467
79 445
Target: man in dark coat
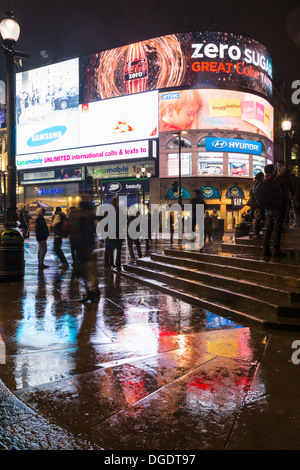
274 213
41 234
86 256
57 223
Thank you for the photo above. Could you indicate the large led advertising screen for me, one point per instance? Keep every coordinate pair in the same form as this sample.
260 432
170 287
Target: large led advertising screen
199 60
47 103
215 109
126 118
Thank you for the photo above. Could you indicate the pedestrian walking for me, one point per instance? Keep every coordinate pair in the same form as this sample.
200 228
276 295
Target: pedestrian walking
257 212
116 239
73 219
274 210
41 234
130 239
148 227
23 218
215 224
86 255
58 222
195 201
207 226
171 227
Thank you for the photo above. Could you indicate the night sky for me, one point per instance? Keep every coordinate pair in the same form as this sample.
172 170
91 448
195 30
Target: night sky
67 29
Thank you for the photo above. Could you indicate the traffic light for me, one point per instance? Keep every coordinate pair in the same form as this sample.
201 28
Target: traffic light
175 186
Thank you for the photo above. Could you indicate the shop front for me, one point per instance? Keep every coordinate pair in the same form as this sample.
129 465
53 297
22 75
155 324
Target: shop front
131 191
64 195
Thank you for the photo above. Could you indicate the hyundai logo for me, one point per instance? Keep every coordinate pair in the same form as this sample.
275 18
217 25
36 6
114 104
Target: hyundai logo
219 144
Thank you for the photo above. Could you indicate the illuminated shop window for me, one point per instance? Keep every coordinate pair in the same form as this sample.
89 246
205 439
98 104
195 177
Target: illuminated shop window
258 164
173 143
210 163
186 164
238 164
294 151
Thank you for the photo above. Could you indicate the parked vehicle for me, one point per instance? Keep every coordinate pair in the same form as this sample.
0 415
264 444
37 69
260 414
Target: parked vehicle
66 100
211 170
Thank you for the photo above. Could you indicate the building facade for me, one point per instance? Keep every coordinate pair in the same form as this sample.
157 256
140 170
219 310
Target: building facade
106 122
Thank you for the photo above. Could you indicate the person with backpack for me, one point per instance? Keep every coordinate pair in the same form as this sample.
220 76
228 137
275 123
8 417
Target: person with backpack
273 188
257 212
59 227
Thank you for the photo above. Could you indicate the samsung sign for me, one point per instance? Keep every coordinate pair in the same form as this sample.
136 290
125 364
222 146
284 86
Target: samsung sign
46 136
214 144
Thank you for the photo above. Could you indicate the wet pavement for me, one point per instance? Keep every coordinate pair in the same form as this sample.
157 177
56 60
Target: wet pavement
138 370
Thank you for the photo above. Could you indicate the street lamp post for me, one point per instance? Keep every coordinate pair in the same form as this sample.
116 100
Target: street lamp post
11 241
10 32
286 127
180 144
142 176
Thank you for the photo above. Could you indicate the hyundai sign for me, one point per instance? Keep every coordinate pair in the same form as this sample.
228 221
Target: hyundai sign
214 144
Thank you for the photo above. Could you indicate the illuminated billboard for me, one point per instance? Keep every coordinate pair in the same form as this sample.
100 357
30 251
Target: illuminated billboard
128 118
200 60
47 103
215 109
84 156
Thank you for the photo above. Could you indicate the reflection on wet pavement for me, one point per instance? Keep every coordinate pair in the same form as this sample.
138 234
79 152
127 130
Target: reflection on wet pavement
137 370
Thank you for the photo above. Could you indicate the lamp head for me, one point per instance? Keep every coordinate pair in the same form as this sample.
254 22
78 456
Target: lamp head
286 125
9 29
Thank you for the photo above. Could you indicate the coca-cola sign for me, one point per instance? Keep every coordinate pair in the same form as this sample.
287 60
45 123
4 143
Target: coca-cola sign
198 60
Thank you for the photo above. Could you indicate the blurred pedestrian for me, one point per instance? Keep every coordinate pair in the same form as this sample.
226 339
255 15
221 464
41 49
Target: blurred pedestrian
23 218
130 239
274 209
41 234
86 255
215 224
195 201
171 227
257 212
148 229
116 239
207 226
73 218
286 190
57 226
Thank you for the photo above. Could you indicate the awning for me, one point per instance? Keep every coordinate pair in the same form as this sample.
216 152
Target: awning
184 194
210 192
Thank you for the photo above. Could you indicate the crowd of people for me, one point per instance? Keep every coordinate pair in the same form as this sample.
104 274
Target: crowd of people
211 226
79 226
275 202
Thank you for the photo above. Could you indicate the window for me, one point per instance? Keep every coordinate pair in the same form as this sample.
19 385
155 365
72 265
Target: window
238 164
173 143
186 164
210 163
